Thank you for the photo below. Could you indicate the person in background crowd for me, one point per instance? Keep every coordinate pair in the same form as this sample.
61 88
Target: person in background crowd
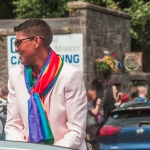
109 101
4 91
3 106
142 94
134 96
0 94
98 86
122 97
3 101
47 100
92 124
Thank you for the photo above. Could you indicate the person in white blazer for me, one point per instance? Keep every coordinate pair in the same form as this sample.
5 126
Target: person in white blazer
66 102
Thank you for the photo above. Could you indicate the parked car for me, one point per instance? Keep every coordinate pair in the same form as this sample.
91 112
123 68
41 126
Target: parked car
128 127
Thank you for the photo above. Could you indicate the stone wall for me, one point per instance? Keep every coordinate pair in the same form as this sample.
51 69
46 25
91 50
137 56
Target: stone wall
103 31
3 55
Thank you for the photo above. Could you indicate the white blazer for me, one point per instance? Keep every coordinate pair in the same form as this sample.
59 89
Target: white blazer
66 104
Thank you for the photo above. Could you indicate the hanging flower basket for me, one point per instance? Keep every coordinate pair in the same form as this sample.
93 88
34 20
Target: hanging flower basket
106 66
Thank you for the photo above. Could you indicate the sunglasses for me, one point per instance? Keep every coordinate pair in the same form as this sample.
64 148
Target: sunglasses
18 42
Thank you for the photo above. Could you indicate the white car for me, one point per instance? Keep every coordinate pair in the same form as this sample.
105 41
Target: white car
12 145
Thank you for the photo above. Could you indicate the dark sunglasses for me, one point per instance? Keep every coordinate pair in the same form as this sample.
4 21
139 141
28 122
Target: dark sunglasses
18 42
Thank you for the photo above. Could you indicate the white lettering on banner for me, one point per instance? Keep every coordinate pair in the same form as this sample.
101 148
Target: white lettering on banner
66 49
15 60
68 46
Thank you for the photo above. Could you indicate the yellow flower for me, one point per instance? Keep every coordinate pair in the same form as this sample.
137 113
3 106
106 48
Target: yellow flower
111 66
106 57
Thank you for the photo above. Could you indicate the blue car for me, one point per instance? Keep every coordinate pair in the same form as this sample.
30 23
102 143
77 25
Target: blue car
127 128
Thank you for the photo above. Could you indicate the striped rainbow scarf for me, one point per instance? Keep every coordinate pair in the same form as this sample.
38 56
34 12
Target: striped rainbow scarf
39 127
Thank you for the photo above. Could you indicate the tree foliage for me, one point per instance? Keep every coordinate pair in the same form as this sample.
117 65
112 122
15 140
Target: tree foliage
139 10
40 8
45 8
140 22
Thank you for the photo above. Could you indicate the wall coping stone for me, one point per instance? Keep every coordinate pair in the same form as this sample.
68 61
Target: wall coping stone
139 76
53 22
63 30
83 5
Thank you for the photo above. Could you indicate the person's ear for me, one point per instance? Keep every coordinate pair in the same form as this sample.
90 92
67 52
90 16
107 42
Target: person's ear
37 41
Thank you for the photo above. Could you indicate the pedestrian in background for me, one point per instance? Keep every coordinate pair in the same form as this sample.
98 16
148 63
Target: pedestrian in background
0 94
3 101
3 109
142 94
109 101
122 98
92 126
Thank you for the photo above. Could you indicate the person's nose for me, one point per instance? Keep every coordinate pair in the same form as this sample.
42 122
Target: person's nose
16 49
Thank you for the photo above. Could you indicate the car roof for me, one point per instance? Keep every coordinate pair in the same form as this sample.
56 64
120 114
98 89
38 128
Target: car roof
133 105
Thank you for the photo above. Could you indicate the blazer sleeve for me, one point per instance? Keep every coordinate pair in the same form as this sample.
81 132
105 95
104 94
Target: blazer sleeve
76 111
14 126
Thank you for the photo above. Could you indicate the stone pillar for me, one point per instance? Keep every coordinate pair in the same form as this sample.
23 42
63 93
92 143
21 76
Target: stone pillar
104 30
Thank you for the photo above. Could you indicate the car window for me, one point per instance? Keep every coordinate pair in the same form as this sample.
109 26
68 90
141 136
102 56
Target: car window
127 118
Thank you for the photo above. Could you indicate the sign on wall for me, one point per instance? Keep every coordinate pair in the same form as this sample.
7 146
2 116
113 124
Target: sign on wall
69 46
13 57
133 61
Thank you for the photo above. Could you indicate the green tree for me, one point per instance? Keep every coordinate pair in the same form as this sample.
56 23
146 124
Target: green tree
140 22
40 8
139 10
45 8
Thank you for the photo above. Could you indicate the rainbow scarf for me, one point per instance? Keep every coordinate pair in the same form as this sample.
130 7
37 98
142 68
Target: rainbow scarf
39 127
